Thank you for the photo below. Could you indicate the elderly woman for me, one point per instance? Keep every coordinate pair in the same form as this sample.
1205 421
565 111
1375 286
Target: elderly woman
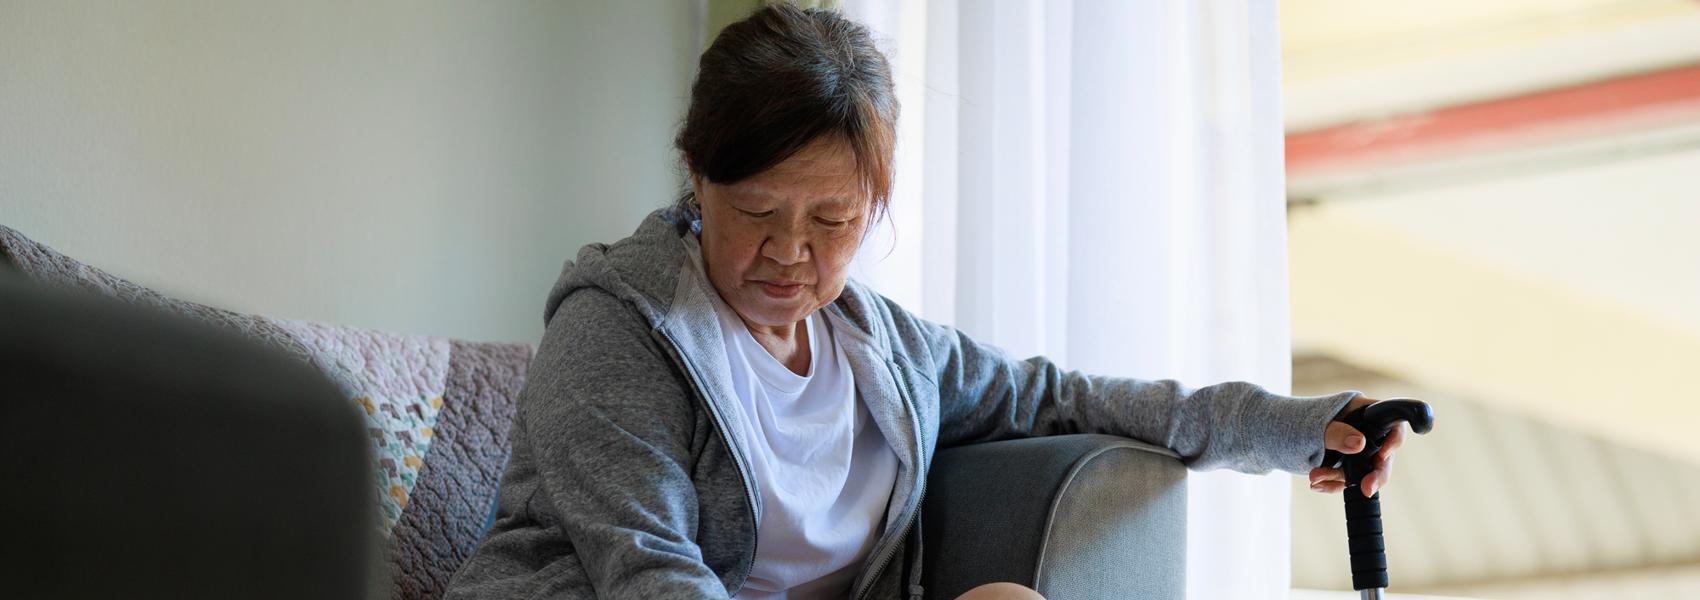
716 410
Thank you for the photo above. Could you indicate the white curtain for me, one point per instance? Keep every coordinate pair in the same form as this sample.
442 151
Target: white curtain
1101 182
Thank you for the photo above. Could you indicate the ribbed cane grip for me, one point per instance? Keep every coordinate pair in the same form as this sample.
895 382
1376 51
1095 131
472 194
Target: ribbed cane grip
1363 539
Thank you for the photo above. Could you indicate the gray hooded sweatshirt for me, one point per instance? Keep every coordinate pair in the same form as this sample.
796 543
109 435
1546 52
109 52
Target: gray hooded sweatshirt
624 482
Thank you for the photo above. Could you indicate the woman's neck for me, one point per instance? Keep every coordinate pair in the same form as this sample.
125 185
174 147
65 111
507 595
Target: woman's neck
788 343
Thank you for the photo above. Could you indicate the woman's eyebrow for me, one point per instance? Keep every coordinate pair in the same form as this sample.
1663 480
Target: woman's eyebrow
833 202
761 194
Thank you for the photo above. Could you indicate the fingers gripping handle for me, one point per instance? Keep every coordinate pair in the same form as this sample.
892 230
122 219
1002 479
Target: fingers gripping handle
1376 422
1363 515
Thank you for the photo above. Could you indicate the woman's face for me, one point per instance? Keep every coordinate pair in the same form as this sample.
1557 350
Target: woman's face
778 245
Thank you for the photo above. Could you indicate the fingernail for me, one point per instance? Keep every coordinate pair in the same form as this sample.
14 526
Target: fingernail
1355 441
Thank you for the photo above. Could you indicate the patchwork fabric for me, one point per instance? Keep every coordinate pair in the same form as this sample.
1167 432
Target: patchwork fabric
460 477
439 412
401 433
398 381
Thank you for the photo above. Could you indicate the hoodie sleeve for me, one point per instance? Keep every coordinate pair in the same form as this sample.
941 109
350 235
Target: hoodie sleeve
609 434
985 395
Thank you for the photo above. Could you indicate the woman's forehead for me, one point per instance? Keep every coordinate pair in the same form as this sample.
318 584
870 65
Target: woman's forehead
823 173
832 188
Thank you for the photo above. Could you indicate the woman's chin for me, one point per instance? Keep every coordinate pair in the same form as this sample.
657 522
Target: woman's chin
775 312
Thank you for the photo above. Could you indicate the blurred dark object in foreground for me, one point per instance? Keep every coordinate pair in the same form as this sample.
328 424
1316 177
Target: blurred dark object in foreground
144 455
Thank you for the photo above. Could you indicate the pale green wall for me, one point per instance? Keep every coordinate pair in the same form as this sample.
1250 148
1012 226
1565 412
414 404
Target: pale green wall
410 166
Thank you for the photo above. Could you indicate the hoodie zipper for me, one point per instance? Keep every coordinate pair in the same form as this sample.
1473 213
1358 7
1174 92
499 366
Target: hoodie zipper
885 557
720 426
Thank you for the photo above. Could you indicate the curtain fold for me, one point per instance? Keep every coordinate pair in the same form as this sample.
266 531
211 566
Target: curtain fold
1101 182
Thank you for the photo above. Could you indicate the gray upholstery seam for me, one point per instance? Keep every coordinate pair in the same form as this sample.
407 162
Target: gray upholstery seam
1068 480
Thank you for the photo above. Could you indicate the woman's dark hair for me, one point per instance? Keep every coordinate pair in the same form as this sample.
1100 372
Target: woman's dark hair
781 78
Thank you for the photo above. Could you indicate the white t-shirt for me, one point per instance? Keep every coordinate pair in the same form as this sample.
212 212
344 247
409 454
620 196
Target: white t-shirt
820 463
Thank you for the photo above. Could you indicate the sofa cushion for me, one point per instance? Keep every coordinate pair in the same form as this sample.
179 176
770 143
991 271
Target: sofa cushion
438 412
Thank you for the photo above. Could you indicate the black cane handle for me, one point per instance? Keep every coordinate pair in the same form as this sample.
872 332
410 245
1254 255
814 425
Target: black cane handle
1363 515
1376 421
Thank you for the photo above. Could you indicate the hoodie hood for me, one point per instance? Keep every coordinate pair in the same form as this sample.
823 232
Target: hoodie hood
629 269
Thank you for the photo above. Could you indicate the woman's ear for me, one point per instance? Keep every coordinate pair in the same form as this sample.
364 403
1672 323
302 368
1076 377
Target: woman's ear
697 185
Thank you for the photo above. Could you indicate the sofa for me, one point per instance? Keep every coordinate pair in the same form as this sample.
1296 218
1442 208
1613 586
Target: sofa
1095 516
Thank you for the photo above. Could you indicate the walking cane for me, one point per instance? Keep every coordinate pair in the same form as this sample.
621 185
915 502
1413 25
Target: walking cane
1363 515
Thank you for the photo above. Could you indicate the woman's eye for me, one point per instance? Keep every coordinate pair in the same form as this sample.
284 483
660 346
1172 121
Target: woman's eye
832 223
756 214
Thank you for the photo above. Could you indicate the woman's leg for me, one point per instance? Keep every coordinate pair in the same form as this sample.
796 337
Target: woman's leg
1002 590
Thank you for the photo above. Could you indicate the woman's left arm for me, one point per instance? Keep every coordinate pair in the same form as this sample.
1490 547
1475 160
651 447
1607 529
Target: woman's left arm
985 395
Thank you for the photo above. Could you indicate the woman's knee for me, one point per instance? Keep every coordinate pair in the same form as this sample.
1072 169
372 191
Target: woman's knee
1002 590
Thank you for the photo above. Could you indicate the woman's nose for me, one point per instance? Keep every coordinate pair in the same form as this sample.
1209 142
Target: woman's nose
786 248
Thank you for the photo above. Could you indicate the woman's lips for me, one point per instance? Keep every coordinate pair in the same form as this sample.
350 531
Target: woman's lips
781 289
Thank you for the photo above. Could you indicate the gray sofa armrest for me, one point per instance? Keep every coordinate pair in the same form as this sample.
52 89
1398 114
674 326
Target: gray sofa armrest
1072 516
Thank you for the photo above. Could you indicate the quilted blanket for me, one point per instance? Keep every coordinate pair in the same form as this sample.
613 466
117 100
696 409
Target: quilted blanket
438 410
